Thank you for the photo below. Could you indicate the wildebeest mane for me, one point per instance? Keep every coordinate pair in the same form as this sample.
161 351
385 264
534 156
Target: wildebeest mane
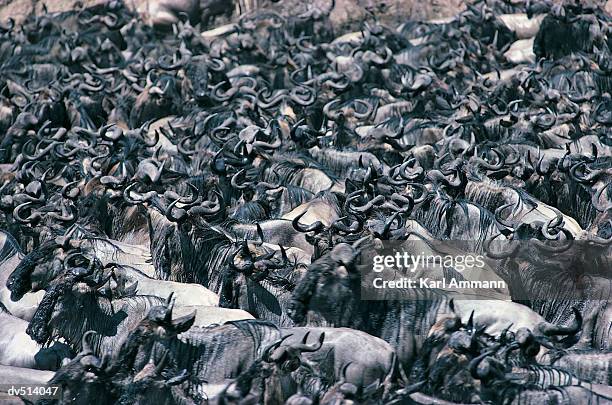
436 215
10 247
251 212
213 247
200 350
89 311
298 195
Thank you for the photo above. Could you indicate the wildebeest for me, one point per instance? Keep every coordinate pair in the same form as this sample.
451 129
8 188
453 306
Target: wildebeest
242 170
332 288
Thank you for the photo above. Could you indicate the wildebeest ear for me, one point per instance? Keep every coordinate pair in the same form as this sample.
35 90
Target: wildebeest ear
183 323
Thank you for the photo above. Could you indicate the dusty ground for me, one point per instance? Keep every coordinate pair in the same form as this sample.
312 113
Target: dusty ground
346 11
18 9
391 12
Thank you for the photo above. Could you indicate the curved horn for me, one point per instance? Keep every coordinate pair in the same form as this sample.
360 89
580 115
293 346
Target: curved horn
470 322
139 198
168 213
314 227
86 342
587 178
184 200
234 180
151 142
304 348
329 111
111 132
368 206
556 248
24 221
248 263
70 192
266 355
260 234
65 216
554 330
355 226
212 208
551 224
475 362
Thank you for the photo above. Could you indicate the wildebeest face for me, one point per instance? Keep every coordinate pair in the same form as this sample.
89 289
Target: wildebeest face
19 283
81 379
44 274
26 279
32 274
82 368
329 288
197 79
333 288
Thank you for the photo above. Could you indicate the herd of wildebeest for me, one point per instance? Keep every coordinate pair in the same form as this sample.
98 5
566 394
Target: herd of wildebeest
183 210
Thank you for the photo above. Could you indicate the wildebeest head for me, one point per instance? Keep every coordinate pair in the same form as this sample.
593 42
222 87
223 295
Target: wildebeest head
84 377
165 326
276 362
34 271
76 271
287 357
156 100
331 284
196 82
